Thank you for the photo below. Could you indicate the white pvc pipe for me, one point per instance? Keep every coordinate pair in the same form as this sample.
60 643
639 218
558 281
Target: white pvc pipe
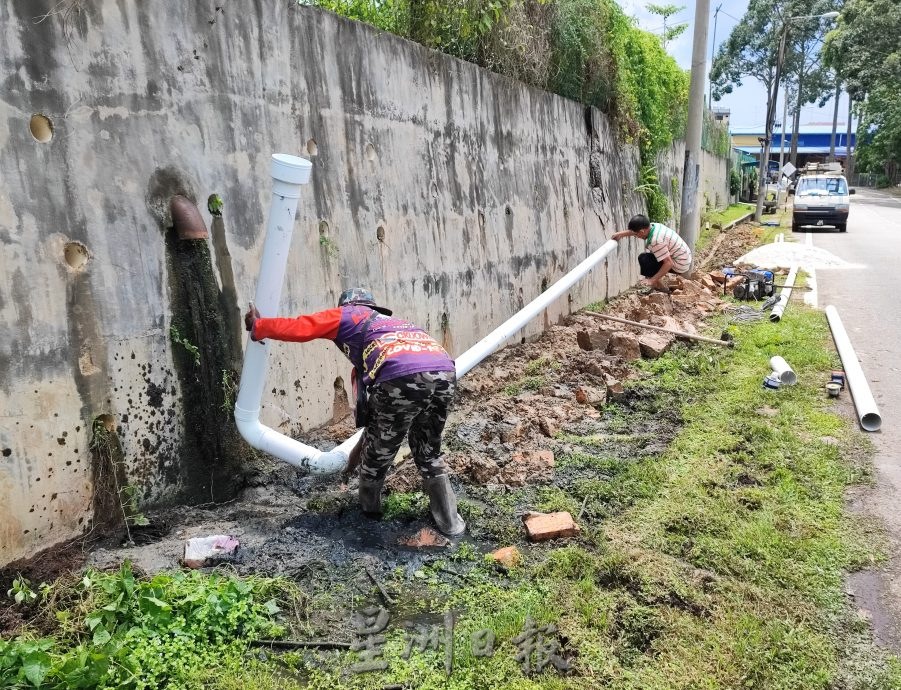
867 412
776 314
783 370
496 338
288 174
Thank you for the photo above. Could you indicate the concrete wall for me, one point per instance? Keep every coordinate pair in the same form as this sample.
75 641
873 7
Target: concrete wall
482 191
714 178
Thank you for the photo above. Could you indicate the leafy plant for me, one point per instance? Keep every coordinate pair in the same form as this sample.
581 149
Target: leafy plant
229 390
734 182
21 592
120 631
176 337
329 246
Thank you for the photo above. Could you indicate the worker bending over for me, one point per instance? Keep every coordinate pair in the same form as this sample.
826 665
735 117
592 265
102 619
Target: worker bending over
666 251
410 381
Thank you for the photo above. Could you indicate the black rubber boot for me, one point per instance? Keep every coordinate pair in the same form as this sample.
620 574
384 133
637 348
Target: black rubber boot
443 505
371 497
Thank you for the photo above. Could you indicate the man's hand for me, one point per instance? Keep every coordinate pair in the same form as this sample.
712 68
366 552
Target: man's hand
620 235
250 318
353 461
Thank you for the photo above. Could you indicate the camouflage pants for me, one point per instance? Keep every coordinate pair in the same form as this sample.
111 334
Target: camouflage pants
415 406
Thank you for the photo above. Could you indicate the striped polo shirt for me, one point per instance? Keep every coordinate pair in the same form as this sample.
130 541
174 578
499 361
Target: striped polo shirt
665 242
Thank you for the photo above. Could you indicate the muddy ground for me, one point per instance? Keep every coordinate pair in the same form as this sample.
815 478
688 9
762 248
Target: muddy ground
515 419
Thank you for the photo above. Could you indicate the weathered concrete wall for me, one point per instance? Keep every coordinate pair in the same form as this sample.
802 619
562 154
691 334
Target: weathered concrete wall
714 178
453 193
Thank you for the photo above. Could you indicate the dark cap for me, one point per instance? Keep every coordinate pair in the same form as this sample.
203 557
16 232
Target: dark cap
363 297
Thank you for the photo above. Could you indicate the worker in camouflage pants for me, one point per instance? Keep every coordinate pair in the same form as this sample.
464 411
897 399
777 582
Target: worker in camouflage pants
416 404
411 381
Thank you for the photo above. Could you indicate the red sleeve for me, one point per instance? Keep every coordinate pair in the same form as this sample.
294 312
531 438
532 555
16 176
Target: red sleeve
323 324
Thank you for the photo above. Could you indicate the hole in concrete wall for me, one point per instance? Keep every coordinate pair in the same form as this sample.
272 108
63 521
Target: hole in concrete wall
508 211
76 255
380 233
108 421
323 228
370 152
312 147
543 284
41 128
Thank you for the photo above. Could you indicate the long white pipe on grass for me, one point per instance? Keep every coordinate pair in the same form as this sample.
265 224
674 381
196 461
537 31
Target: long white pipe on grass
288 174
867 412
776 314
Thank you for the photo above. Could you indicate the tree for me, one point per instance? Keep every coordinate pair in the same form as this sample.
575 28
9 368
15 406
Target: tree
750 50
865 51
805 72
667 11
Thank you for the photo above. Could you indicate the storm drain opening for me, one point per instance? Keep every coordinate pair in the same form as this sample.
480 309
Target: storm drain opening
41 128
76 255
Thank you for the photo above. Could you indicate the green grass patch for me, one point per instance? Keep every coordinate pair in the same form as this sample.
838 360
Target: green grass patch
406 506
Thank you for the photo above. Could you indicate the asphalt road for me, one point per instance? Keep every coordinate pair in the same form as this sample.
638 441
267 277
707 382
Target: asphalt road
867 299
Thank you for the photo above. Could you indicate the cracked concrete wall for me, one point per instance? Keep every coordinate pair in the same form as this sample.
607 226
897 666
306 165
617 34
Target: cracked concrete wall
454 193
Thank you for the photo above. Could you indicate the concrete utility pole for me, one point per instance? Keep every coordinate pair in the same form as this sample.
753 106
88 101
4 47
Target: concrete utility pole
690 221
782 134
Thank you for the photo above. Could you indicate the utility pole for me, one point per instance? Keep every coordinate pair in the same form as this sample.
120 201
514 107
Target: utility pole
716 13
690 221
838 93
782 133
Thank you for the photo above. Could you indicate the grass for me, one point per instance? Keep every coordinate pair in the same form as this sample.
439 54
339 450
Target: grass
712 554
727 215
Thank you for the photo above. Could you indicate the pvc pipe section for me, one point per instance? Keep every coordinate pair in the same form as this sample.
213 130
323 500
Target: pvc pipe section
783 371
867 412
496 338
776 314
288 174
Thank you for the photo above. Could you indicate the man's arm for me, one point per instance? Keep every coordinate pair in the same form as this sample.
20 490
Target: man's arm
323 324
623 233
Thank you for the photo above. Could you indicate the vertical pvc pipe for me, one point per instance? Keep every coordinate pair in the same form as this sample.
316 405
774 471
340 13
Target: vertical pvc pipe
776 314
867 412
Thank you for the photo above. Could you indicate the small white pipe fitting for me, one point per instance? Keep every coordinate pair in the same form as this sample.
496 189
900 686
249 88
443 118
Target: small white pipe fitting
783 371
867 412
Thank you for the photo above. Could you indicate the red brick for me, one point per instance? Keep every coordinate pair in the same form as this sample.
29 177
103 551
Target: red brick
509 556
425 537
544 526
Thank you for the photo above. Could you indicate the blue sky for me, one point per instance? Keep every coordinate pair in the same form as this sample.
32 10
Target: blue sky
747 102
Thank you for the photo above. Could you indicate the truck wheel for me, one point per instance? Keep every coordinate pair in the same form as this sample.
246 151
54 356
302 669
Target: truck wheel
842 227
795 226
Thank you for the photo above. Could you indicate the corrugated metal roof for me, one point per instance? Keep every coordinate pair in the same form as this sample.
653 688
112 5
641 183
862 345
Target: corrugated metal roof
839 150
